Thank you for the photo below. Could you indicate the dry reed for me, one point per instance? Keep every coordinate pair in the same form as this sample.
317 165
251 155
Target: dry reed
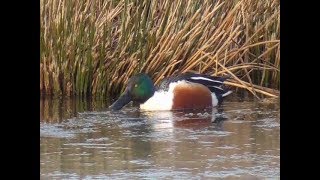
93 47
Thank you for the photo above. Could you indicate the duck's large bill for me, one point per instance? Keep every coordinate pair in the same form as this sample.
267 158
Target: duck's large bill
122 101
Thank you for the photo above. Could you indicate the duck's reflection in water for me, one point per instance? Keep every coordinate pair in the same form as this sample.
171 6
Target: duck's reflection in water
193 119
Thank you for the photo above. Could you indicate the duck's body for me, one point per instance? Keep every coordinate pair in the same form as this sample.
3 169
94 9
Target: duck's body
185 91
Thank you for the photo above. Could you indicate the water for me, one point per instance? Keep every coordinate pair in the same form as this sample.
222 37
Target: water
83 140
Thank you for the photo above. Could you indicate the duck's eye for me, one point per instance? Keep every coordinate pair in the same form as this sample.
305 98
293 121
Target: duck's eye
136 85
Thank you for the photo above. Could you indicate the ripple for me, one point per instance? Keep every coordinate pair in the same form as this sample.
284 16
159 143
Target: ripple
130 144
55 130
267 123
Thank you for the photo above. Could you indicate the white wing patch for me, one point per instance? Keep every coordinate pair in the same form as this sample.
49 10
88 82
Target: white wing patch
206 79
216 87
226 94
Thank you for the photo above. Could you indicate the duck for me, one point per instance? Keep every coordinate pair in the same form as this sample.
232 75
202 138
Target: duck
179 92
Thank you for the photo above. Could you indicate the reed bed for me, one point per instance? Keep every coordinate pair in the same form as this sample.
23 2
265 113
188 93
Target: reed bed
93 47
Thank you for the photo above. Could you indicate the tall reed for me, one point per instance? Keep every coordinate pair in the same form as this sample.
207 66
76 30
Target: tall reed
93 47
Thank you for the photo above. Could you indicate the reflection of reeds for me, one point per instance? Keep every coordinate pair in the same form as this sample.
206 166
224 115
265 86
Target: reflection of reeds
54 110
93 47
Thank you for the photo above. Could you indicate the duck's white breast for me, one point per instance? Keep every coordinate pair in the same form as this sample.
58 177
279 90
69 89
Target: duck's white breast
160 101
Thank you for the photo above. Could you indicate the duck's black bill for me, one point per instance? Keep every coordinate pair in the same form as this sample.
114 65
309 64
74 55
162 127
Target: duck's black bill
122 101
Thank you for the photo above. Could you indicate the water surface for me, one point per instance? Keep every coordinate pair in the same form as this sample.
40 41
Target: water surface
81 139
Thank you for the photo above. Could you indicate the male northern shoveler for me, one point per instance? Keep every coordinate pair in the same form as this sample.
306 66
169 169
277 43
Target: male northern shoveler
185 91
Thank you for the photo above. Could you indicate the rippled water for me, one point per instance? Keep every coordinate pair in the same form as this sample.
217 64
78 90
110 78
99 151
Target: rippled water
83 140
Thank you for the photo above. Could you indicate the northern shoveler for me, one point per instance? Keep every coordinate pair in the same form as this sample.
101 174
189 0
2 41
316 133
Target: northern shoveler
185 91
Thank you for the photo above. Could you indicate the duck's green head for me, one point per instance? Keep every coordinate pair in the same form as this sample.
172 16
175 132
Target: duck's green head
139 89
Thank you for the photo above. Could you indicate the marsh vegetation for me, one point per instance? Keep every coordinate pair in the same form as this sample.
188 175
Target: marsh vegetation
93 47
